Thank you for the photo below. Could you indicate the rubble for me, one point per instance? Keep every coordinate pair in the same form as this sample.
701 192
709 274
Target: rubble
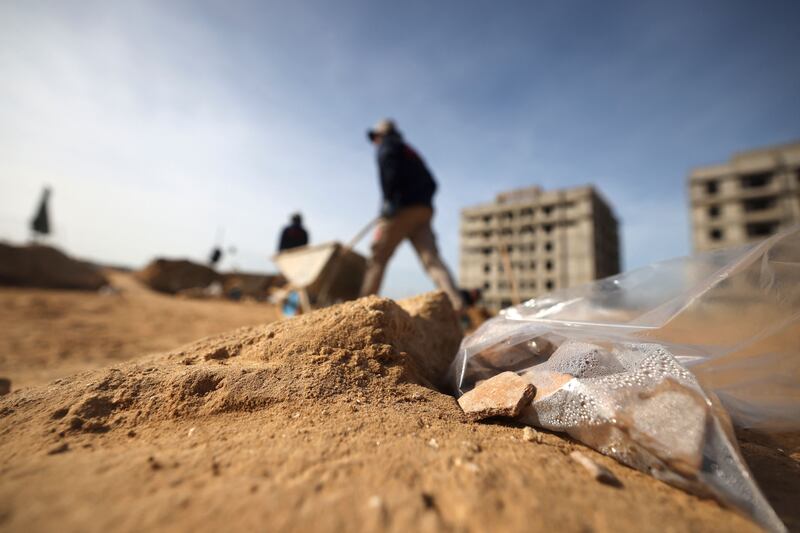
505 394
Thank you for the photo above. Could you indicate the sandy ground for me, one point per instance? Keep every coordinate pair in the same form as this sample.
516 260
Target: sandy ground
49 334
329 422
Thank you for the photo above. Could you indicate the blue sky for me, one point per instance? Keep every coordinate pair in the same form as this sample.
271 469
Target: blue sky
158 122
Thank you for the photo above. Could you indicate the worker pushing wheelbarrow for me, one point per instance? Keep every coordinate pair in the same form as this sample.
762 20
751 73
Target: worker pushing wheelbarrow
322 273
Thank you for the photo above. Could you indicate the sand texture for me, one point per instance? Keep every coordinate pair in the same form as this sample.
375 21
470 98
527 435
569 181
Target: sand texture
332 421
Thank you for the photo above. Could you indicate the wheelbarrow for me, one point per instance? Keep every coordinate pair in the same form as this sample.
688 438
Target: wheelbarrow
324 274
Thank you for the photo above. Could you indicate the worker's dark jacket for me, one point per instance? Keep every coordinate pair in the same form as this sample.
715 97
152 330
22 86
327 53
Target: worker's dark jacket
293 236
405 179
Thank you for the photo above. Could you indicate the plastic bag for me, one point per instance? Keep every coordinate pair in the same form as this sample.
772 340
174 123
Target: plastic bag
609 360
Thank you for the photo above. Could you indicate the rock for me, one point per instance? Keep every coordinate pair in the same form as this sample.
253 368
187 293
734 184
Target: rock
471 447
5 386
376 502
61 448
531 435
46 267
467 465
597 471
681 436
502 395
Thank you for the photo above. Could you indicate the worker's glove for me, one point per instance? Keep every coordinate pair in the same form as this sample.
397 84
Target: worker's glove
388 209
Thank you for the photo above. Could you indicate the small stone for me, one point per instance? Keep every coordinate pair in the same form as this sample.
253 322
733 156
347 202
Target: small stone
5 386
502 395
95 426
375 502
433 444
597 471
472 467
61 448
531 435
75 422
467 465
471 447
59 413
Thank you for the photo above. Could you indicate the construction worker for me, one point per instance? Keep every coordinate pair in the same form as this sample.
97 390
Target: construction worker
294 234
408 187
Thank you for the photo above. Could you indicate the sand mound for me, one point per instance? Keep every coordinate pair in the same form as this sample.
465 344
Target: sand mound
172 276
369 344
330 421
46 267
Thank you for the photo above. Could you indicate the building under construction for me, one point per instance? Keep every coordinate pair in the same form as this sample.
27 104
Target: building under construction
530 241
753 196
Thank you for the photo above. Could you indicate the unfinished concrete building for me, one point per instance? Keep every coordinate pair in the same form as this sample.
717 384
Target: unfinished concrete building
753 196
530 241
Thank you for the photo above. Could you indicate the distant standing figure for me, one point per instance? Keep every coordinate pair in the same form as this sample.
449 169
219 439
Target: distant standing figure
215 257
40 225
294 234
408 188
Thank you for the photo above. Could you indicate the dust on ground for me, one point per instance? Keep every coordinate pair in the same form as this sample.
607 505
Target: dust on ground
331 421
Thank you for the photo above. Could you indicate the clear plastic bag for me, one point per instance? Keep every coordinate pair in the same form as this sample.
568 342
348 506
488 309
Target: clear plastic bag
609 360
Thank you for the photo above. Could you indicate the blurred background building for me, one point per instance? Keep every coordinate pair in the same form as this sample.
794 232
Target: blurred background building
530 241
753 196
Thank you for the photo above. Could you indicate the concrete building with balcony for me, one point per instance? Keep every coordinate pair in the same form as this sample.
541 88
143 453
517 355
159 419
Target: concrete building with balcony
753 196
530 241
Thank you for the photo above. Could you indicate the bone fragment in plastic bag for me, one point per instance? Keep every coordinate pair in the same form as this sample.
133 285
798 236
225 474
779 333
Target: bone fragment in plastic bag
728 319
652 415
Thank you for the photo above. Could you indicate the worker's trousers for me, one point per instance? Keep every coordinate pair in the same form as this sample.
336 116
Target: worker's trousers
412 223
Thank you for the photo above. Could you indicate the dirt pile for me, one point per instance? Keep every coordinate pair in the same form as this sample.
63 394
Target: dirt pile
175 275
330 421
313 357
256 286
46 267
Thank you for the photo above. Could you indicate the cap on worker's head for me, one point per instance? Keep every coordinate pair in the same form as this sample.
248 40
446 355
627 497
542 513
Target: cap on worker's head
383 127
297 218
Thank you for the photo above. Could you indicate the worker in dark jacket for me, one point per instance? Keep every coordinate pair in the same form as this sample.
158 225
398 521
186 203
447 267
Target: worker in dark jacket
294 234
408 188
